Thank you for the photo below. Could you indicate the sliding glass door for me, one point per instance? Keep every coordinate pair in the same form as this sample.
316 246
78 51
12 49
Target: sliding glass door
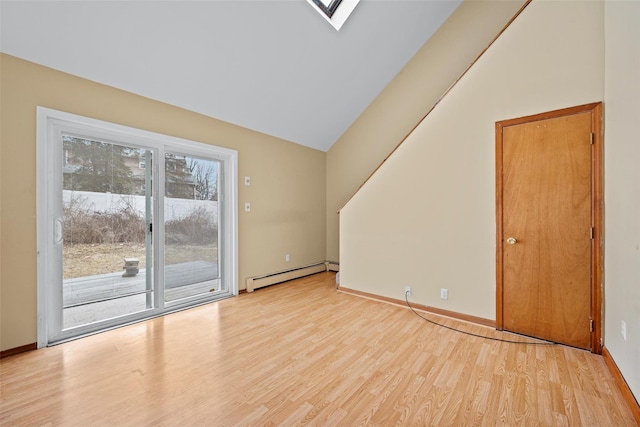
131 225
105 230
191 260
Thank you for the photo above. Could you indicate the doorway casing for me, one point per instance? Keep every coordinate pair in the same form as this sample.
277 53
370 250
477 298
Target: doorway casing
595 109
49 227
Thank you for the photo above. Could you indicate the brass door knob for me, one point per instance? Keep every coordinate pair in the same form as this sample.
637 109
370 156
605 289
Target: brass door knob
511 240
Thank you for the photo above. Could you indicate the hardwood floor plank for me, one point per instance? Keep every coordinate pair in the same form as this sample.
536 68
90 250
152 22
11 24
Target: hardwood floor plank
300 353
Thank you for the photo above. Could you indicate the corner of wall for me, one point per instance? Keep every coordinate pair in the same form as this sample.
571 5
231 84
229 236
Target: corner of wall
407 98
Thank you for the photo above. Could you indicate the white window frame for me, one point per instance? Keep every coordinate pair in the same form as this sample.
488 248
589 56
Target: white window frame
49 125
341 13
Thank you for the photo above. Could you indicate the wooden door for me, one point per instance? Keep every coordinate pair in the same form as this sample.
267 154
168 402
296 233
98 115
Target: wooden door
546 226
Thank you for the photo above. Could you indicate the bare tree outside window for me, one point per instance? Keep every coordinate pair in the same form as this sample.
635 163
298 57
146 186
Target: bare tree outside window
205 175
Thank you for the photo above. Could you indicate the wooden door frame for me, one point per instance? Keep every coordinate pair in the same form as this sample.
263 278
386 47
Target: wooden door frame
596 212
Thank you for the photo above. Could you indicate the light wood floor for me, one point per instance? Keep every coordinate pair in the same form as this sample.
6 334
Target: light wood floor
302 353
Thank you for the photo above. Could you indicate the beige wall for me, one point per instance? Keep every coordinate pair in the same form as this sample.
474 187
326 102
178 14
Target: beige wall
287 189
427 217
622 187
407 99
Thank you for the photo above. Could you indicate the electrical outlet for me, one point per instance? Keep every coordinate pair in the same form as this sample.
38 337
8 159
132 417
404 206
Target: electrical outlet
623 330
287 258
444 293
247 180
407 291
247 207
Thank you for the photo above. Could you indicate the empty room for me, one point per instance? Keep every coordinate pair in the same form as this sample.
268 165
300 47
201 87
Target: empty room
322 212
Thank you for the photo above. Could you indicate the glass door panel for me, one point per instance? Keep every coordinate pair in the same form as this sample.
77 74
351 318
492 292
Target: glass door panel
106 217
191 213
114 205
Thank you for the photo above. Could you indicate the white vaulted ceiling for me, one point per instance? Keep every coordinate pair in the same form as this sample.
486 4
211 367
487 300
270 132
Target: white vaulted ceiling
276 67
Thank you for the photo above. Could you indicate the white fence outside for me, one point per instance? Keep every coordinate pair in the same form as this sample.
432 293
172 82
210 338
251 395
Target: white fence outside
174 209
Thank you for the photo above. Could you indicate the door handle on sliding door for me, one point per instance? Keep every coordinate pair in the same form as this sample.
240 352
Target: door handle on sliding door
57 231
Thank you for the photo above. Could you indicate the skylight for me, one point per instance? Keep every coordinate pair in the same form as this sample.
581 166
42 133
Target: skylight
327 6
335 12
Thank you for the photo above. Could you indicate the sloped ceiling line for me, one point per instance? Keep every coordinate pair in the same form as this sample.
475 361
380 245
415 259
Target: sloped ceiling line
436 103
271 66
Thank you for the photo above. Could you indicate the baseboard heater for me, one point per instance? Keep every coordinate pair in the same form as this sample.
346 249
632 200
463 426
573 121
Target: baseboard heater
254 283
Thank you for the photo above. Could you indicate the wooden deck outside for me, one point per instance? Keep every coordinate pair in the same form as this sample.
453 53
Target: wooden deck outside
95 298
84 290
